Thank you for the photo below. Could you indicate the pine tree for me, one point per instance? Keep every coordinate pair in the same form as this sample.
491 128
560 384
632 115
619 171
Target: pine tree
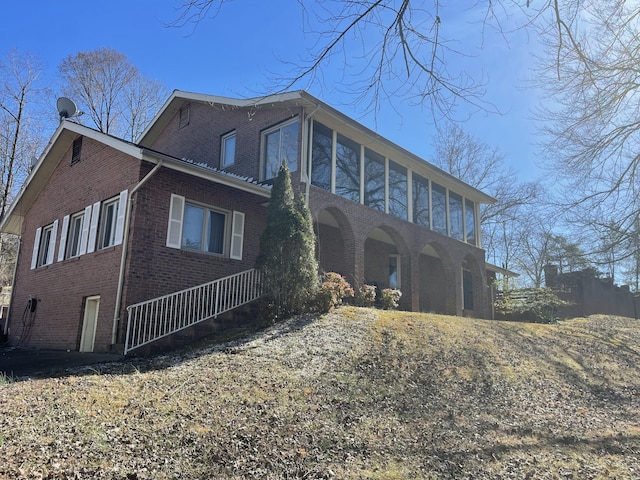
287 249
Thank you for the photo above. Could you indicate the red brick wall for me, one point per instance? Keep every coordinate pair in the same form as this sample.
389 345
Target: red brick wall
201 139
63 286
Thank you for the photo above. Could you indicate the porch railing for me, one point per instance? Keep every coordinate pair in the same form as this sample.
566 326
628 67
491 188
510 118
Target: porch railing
159 317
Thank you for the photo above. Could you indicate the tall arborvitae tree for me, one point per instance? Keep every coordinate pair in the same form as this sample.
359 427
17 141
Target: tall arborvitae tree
287 249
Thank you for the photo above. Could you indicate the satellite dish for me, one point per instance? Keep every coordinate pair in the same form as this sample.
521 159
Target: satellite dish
66 108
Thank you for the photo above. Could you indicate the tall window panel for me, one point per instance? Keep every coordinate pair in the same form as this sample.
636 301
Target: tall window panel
280 144
321 156
455 216
470 220
348 169
420 201
439 208
373 180
398 191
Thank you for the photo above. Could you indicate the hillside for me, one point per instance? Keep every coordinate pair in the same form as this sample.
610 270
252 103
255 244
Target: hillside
355 394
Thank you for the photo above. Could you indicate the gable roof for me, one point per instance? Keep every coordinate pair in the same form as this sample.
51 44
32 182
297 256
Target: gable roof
63 138
301 98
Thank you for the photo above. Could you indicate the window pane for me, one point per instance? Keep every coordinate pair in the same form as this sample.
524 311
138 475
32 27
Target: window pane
281 144
439 208
394 272
420 200
192 227
43 248
75 233
470 218
373 180
108 224
397 190
215 240
321 155
348 169
228 150
455 216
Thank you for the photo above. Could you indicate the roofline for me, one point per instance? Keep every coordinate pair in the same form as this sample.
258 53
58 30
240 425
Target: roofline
503 271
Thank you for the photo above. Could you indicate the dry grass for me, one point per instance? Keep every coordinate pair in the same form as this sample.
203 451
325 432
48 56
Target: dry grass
356 394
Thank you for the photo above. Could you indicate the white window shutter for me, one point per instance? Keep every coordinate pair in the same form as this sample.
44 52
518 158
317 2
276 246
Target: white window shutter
93 227
52 243
176 215
122 213
36 244
237 235
85 230
63 238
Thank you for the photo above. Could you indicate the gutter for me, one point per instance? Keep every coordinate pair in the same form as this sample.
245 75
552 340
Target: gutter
307 149
125 243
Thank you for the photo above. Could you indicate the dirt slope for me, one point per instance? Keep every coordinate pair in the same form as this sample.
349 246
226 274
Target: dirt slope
356 394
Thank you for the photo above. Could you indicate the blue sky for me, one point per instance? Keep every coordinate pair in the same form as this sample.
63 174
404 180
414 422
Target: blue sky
235 54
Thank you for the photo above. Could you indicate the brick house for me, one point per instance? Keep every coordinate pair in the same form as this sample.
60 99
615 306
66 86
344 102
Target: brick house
106 224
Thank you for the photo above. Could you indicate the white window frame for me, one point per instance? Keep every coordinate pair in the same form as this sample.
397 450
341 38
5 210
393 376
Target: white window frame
233 233
44 245
398 259
113 219
263 143
225 149
69 232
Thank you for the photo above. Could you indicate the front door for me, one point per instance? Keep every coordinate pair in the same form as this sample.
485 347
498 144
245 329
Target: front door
91 307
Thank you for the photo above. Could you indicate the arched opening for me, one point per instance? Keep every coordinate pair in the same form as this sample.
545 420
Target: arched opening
472 287
330 245
387 263
437 281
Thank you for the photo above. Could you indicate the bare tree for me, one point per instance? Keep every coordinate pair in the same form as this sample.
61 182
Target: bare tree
485 168
111 91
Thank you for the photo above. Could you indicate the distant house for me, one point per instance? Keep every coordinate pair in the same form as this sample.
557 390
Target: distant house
106 224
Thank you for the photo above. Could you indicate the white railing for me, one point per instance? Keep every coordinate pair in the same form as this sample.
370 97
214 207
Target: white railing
157 318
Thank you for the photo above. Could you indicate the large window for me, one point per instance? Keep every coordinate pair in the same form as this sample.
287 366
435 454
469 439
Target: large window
280 144
456 219
398 191
373 180
321 156
348 168
439 208
394 271
228 149
470 220
420 201
205 229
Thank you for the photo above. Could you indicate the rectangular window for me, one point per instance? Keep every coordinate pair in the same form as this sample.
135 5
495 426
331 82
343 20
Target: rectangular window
280 144
321 156
420 201
45 246
203 229
107 224
75 152
439 208
347 168
394 271
228 149
456 220
398 191
74 235
373 180
470 220
185 113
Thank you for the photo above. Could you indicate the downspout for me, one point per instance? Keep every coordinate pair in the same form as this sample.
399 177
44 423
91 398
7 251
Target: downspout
308 150
13 290
123 257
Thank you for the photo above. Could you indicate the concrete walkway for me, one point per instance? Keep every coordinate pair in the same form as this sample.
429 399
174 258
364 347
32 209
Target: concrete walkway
17 362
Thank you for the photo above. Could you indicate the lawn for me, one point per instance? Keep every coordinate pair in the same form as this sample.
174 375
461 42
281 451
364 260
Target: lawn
354 394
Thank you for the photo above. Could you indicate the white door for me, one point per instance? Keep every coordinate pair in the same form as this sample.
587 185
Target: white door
91 307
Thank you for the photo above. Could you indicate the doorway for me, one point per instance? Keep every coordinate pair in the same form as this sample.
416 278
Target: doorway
89 323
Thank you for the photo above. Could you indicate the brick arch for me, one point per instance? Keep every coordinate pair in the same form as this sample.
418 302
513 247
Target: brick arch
436 279
334 241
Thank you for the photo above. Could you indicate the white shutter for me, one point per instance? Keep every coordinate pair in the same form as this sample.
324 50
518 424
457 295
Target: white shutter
93 227
176 215
63 238
237 235
52 243
85 230
122 212
36 244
